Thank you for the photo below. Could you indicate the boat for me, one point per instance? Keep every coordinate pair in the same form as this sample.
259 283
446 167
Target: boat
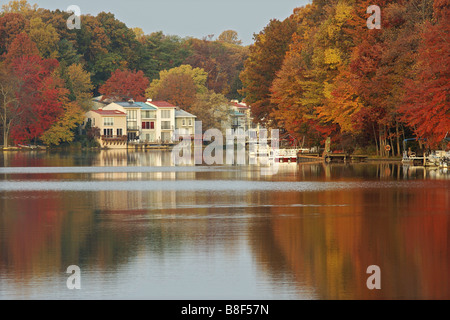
30 147
412 158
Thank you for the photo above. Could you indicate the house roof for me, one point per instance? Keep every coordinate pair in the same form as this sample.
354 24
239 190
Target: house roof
129 104
145 106
183 114
161 104
109 112
238 114
239 105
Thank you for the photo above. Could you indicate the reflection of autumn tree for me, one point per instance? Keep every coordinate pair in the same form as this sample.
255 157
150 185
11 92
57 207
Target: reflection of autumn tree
52 230
328 248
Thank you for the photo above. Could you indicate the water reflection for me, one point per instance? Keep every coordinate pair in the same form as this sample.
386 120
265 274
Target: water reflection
220 232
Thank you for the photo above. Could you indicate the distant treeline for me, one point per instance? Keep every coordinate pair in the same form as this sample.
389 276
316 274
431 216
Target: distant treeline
323 72
49 72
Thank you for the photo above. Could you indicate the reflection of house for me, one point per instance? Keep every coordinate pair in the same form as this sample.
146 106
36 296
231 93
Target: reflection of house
112 125
185 120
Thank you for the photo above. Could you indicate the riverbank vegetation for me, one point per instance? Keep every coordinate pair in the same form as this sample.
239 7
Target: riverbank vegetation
49 73
319 73
322 72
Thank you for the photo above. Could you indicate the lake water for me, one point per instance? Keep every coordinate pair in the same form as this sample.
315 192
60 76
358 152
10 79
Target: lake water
139 227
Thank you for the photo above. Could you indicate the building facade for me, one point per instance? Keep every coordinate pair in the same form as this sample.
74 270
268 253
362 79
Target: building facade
112 125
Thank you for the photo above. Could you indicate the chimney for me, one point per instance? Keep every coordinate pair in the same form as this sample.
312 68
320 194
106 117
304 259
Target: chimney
149 100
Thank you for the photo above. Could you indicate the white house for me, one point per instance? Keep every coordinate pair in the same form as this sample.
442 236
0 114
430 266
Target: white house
165 120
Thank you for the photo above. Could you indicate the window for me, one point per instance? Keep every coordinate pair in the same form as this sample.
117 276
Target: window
131 114
184 122
166 136
165 114
108 121
119 132
165 125
190 122
148 125
107 132
148 114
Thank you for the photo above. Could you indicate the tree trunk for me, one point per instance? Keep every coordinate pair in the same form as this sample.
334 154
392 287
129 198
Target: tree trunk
375 137
399 152
391 143
381 141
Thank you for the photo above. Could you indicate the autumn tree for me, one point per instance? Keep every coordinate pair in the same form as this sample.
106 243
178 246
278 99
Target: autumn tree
78 101
11 25
8 101
63 129
229 36
178 89
20 47
78 81
45 36
197 75
426 105
124 85
223 62
17 6
265 59
211 109
161 52
40 96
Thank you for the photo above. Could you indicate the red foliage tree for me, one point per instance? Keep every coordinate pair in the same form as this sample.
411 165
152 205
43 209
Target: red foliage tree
125 85
40 96
11 25
426 105
20 47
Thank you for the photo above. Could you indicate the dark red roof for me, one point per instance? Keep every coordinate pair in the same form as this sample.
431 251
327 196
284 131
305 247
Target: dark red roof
110 112
162 104
239 105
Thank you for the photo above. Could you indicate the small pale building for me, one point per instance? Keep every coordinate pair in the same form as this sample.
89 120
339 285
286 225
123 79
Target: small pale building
185 120
112 125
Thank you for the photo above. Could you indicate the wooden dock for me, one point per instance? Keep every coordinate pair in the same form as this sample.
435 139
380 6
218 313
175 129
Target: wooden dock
308 157
150 146
358 158
335 157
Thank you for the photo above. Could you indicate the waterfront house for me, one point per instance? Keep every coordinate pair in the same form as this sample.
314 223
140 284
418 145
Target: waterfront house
240 116
165 124
152 122
133 111
112 125
148 123
185 120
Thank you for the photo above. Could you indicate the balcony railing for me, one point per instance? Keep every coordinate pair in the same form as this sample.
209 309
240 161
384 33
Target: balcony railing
114 138
132 127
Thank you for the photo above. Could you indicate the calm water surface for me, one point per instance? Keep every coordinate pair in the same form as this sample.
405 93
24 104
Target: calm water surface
141 228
